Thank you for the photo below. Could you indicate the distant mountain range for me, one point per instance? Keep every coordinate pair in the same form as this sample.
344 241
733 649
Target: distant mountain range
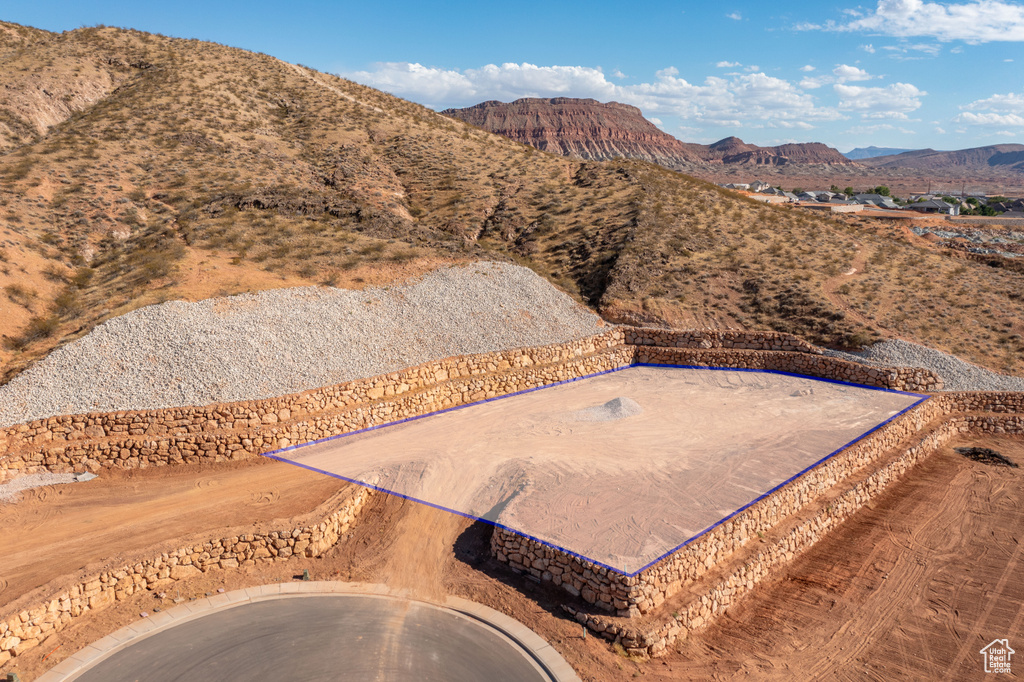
588 129
871 152
998 156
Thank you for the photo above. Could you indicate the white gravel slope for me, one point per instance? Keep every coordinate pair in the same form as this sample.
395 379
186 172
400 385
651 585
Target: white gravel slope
956 374
284 341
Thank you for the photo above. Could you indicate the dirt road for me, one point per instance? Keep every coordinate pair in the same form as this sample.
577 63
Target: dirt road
56 530
911 588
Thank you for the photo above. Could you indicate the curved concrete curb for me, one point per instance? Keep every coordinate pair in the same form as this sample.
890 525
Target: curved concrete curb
543 655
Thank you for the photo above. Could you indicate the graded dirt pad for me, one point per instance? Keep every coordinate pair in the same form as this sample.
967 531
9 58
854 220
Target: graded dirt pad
621 468
55 530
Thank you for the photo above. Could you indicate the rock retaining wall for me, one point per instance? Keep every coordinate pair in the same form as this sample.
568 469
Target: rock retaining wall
705 338
639 593
24 630
246 429
711 599
898 378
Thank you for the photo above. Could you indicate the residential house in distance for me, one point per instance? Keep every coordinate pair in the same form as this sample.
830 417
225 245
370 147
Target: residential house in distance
876 200
1008 206
758 186
935 206
814 195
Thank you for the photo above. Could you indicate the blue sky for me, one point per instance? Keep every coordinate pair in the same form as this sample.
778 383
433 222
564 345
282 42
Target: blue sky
901 73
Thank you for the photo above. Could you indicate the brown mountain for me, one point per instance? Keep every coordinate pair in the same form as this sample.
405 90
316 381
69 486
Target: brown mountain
588 129
976 159
164 169
581 128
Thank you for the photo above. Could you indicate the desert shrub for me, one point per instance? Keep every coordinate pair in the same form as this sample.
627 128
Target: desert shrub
20 294
55 273
39 327
67 304
82 277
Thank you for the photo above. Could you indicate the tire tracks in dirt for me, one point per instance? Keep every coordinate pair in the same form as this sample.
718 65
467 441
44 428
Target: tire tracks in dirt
911 587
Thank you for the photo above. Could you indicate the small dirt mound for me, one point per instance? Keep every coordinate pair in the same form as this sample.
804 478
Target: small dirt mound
614 409
986 456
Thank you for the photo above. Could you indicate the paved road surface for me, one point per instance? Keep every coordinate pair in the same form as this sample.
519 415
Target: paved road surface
322 638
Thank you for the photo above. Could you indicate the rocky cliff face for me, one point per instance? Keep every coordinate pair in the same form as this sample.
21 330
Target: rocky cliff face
582 128
588 129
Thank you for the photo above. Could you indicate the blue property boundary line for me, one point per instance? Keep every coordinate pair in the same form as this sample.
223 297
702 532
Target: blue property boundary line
274 454
447 409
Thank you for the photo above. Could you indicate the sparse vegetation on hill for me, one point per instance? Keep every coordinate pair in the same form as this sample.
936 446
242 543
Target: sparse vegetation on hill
147 168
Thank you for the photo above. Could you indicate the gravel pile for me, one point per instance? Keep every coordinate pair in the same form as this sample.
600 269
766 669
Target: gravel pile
956 374
278 342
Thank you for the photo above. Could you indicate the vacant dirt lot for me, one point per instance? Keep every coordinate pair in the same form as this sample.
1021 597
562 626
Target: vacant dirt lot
911 588
621 491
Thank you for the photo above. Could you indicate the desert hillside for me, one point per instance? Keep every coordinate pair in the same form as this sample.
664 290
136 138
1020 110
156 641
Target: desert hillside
138 169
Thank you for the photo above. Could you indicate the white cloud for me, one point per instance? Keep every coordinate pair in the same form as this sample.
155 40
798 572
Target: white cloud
656 121
434 86
989 119
980 21
1010 102
996 111
718 101
892 101
845 72
736 16
869 48
807 68
865 129
618 74
915 51
940 130
786 125
727 65
841 74
752 68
